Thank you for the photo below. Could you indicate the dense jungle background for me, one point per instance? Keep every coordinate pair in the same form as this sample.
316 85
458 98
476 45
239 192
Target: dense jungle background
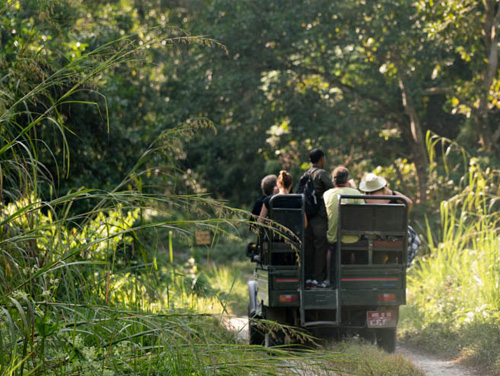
128 125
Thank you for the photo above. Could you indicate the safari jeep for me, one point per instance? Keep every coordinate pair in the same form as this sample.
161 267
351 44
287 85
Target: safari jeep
369 275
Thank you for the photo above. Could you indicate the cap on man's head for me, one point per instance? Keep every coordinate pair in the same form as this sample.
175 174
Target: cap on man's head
315 155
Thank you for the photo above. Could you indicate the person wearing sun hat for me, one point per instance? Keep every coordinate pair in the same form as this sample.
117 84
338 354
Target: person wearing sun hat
375 185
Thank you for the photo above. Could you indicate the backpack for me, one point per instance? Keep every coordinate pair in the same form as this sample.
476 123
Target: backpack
306 187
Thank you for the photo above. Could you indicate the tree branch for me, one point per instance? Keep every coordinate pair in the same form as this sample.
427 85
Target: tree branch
439 91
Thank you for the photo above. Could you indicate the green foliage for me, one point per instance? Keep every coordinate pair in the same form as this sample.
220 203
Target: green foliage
105 116
287 78
77 302
454 296
303 75
80 292
331 75
98 272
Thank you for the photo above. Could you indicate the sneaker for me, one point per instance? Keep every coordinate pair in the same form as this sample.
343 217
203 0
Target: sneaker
325 284
311 283
256 258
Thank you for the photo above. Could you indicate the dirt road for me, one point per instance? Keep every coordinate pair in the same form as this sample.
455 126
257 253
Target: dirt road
431 365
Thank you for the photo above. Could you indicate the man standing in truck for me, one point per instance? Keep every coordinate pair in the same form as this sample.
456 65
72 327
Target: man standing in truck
316 244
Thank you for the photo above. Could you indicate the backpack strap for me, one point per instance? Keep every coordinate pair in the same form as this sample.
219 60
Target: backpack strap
312 170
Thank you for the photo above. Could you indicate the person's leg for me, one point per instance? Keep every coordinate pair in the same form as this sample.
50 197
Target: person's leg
309 253
319 226
330 263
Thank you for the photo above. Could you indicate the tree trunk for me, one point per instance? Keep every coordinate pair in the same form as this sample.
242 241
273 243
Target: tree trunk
490 28
415 140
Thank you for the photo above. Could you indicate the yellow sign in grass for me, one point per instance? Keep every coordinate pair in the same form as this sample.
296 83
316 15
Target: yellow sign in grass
202 237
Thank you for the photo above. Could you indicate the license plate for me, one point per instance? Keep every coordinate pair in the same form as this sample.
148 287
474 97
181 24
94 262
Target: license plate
381 319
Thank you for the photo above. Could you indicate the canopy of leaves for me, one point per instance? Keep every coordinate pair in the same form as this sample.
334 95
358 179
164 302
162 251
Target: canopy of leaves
286 77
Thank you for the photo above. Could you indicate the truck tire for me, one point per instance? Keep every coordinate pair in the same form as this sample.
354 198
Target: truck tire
256 336
386 339
276 338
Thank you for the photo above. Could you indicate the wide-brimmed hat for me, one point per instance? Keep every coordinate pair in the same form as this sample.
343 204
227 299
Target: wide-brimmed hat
372 183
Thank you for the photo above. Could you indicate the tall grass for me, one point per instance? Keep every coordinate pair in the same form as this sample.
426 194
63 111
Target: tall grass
83 293
74 303
454 291
95 293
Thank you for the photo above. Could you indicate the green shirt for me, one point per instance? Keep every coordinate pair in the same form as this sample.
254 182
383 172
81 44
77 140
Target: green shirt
331 198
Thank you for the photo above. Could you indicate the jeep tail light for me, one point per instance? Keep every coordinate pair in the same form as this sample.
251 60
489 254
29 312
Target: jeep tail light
288 298
386 297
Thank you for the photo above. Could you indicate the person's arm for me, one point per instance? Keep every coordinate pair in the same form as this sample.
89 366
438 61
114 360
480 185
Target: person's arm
410 202
263 214
305 221
326 180
257 206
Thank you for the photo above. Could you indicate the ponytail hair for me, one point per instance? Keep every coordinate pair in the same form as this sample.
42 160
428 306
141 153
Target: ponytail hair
285 179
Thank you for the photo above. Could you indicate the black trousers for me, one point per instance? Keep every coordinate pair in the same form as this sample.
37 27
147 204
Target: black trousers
316 247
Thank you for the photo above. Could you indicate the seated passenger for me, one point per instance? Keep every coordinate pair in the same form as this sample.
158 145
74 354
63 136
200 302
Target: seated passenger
284 184
377 186
340 177
289 223
268 187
